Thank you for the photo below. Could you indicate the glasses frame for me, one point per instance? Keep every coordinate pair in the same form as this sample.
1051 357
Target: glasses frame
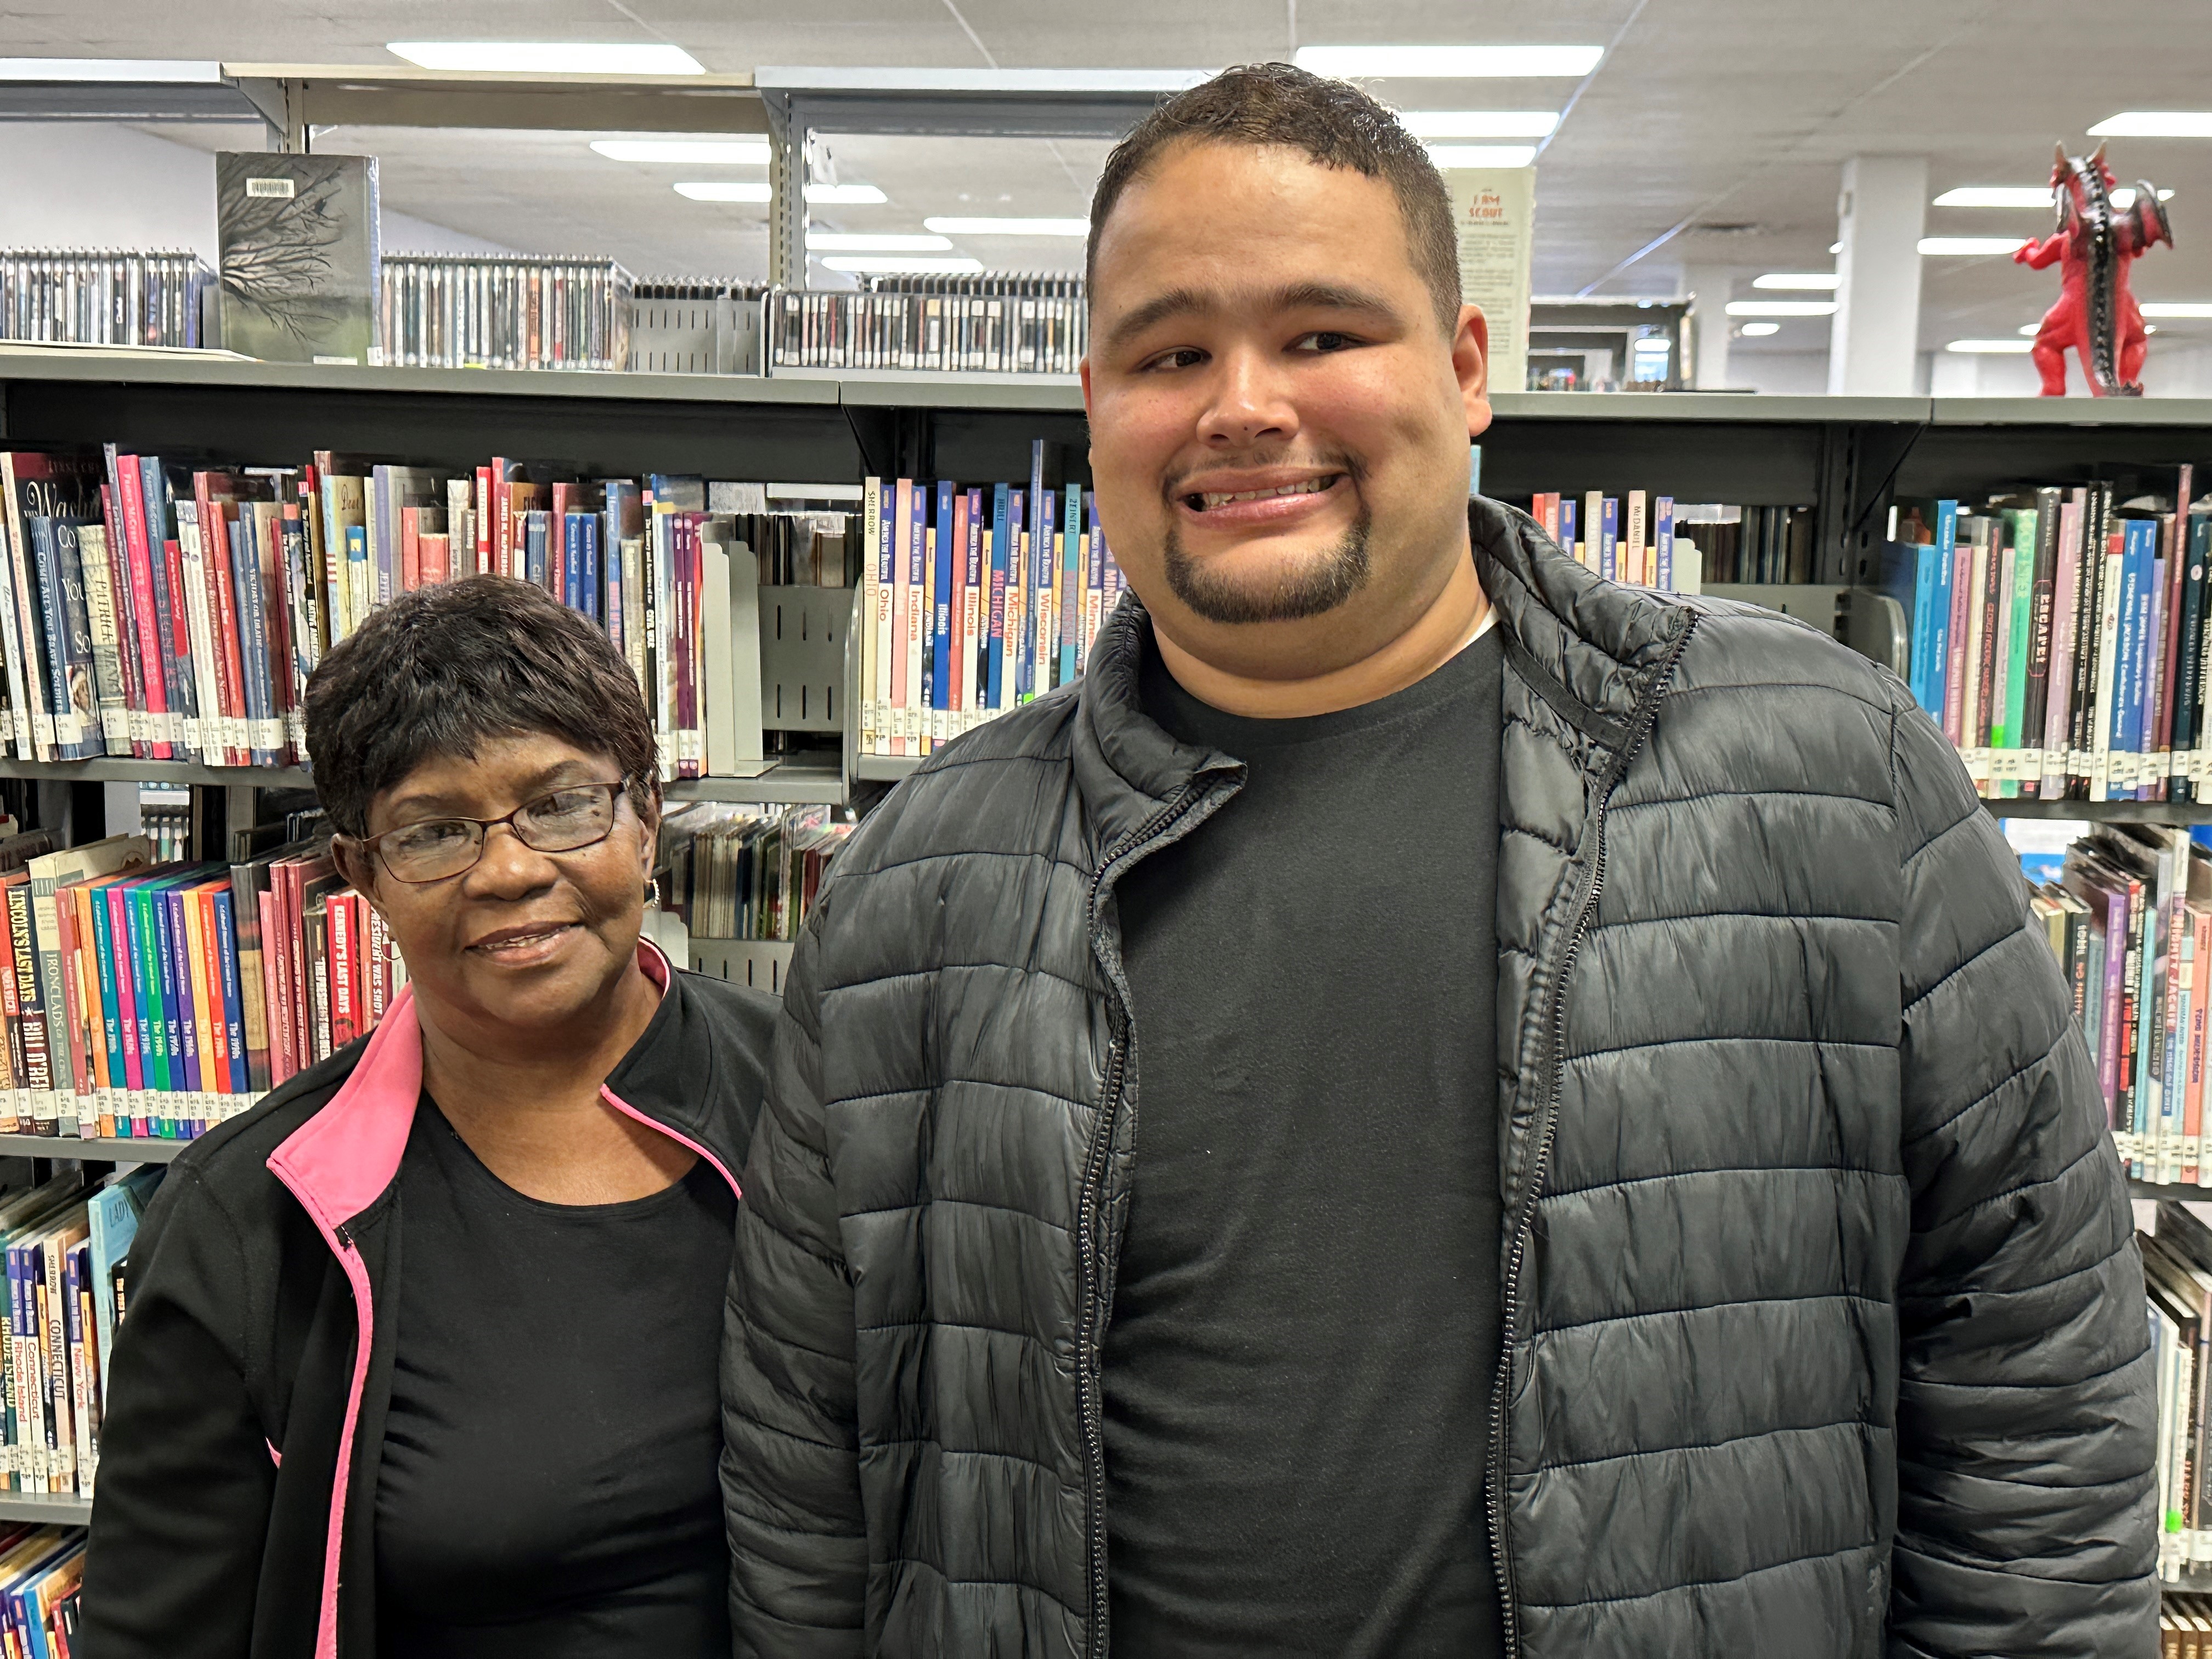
616 791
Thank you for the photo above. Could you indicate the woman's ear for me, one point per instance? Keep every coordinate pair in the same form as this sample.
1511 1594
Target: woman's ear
357 865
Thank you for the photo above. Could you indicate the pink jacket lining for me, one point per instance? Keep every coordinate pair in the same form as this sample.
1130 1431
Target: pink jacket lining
341 1160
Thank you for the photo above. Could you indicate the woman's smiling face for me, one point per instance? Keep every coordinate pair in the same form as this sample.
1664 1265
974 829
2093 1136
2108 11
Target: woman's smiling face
523 941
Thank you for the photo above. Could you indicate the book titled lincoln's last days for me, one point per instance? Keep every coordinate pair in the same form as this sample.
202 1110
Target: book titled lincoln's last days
299 256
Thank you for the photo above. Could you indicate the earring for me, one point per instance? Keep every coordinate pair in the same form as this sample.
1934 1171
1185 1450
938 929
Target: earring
652 893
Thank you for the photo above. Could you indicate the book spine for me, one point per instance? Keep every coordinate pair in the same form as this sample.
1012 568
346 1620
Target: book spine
944 538
2058 682
917 555
221 909
110 680
872 530
33 696
37 1070
338 923
66 738
996 684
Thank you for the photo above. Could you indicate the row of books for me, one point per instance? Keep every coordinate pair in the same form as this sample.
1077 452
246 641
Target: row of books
2185 1626
171 611
78 297
141 999
2130 921
64 1244
2176 1258
739 874
1636 540
2058 635
450 311
41 1577
974 600
1653 541
1043 331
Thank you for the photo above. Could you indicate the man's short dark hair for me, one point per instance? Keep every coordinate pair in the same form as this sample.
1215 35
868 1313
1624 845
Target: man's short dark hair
1334 122
440 671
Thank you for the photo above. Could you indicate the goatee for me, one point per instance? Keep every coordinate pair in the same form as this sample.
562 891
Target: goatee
1313 587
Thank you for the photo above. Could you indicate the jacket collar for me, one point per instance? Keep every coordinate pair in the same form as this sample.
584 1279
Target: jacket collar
1591 647
344 1158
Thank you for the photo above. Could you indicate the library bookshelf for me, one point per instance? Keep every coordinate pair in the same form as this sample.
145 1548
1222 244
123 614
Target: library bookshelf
1847 459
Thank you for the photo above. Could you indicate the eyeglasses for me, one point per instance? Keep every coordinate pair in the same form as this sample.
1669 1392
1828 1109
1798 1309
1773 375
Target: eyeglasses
566 820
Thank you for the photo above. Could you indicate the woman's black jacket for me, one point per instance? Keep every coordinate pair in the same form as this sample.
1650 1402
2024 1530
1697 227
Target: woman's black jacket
235 1514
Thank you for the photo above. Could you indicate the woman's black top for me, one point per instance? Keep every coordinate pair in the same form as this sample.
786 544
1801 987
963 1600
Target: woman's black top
548 1481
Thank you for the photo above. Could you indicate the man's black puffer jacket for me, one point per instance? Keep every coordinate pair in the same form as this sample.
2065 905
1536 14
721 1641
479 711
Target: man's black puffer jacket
1826 1330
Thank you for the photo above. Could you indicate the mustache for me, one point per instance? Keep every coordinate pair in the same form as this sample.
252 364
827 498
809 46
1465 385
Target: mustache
1177 485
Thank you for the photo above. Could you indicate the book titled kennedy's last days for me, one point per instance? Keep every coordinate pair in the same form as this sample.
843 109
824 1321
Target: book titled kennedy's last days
299 256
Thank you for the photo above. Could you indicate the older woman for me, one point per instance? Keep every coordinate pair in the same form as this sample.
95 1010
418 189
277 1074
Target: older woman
420 1352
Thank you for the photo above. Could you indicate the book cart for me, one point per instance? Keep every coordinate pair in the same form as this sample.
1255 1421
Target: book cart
1848 458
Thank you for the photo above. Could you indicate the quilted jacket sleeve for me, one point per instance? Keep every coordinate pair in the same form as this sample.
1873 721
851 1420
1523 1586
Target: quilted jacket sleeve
2027 1504
790 1484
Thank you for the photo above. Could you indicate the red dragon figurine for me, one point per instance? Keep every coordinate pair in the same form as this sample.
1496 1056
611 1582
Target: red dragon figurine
2096 314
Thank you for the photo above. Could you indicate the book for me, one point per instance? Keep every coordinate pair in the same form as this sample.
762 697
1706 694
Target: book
297 271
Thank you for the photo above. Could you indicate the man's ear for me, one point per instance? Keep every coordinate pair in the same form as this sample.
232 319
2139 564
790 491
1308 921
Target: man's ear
1471 364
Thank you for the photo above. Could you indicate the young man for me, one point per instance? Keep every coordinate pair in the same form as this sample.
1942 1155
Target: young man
1434 1105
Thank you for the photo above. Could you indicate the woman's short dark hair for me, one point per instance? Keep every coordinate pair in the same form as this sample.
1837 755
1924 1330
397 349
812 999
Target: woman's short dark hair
440 671
1334 122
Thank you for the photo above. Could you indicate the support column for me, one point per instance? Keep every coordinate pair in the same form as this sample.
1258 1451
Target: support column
1709 287
1874 345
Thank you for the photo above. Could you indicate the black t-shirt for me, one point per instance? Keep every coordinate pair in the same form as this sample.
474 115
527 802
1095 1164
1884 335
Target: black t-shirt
548 1488
1305 1329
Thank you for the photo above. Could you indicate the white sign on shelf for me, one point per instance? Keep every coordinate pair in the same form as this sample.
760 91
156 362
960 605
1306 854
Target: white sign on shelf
1494 210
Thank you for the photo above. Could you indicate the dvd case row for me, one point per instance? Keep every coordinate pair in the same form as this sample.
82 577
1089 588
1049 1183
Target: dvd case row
86 297
2058 637
1014 332
450 311
2177 1261
975 599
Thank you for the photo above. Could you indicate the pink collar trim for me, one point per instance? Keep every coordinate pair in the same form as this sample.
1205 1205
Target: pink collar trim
341 1160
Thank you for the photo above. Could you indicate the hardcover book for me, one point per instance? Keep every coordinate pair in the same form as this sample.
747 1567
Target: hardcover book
298 256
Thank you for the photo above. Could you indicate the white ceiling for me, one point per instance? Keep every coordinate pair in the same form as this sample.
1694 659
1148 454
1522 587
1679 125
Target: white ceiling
1704 112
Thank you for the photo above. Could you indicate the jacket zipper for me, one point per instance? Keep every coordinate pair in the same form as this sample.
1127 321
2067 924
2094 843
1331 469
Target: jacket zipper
1090 1341
1510 1309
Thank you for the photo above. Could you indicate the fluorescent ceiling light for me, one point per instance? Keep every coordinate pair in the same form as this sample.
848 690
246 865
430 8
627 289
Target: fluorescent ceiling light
2176 310
737 152
1781 307
1835 247
2155 124
1451 62
2030 329
1992 348
751 190
726 190
972 227
830 241
1759 330
918 264
2026 196
1826 281
107 68
549 57
1482 155
1969 246
1479 123
1996 196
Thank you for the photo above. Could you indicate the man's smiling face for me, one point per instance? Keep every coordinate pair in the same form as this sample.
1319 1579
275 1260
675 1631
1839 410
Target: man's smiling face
1279 416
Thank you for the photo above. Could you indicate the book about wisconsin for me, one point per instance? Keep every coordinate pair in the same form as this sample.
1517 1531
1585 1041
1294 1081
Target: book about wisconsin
298 270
